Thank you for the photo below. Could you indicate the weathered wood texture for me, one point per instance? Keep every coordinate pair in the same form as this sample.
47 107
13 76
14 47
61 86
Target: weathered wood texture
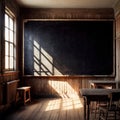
50 109
11 91
2 8
8 77
118 48
118 27
65 87
13 6
117 8
37 13
117 17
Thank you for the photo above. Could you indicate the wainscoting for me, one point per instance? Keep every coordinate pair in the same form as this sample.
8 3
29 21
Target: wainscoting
63 86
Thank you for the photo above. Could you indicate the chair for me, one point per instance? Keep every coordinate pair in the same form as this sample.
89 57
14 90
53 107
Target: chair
24 94
112 108
99 103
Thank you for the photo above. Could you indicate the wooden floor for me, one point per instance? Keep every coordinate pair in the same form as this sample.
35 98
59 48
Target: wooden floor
48 109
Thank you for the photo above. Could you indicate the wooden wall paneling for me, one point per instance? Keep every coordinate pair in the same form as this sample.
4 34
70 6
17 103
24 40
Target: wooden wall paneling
0 35
2 100
118 60
117 18
118 49
2 11
57 86
2 6
11 91
37 13
1 94
13 6
117 8
118 26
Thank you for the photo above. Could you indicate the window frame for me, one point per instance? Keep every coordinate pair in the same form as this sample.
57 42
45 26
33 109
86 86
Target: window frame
10 41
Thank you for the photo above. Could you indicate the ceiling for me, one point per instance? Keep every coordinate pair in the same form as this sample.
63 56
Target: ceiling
67 3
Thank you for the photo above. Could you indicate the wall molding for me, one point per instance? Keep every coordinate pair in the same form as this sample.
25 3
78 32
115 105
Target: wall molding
68 13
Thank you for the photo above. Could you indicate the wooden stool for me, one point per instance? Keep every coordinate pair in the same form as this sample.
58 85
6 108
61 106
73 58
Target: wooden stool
24 93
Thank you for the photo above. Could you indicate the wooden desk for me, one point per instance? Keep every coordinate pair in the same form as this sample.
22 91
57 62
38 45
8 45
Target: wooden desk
94 95
102 84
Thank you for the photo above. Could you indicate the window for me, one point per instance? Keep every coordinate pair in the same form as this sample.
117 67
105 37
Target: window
10 46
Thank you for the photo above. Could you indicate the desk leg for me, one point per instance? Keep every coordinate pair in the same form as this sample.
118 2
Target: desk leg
84 108
88 111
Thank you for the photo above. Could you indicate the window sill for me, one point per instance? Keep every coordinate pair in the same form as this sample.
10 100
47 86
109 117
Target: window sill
10 73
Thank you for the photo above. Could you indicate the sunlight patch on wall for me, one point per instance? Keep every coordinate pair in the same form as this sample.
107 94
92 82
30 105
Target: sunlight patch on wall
63 89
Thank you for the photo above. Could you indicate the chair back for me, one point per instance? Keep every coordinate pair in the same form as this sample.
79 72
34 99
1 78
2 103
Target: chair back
114 98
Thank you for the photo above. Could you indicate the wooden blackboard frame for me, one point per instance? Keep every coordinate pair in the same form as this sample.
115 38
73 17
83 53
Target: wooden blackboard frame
111 75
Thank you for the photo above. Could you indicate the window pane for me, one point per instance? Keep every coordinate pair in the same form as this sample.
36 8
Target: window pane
6 48
11 36
6 34
11 49
11 62
6 20
6 62
11 24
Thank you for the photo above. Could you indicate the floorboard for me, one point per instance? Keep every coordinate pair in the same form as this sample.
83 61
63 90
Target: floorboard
48 109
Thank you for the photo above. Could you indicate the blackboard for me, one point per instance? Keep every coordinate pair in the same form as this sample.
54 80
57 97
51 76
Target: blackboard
68 48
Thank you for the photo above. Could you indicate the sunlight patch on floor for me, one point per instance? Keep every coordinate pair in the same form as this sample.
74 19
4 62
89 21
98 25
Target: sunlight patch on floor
64 104
53 105
69 97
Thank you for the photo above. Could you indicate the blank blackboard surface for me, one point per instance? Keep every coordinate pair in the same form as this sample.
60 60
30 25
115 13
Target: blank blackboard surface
68 48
